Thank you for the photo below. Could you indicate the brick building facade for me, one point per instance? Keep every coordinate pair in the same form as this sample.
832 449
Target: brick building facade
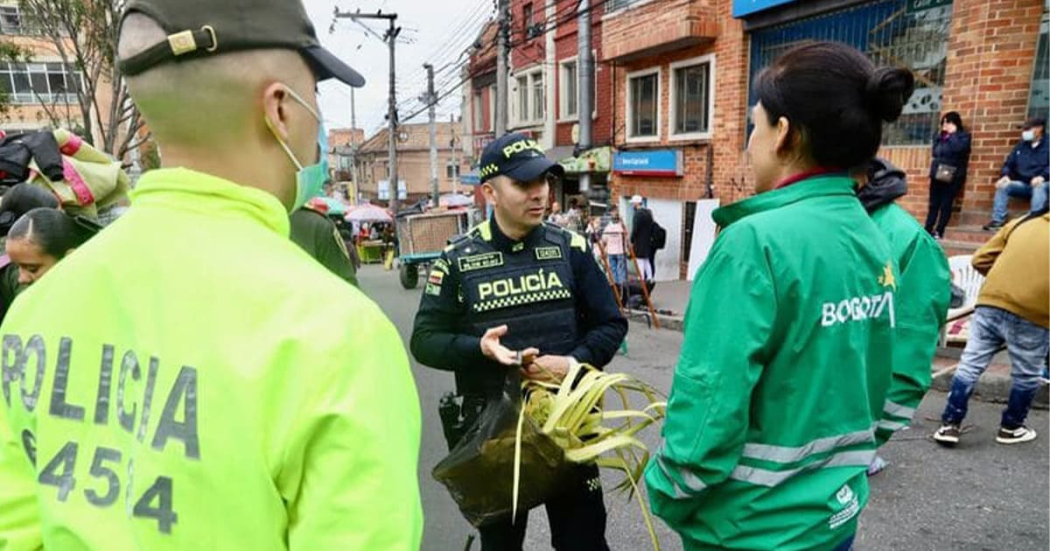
976 57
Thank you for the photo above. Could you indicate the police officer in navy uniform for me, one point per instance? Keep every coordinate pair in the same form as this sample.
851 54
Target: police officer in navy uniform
515 287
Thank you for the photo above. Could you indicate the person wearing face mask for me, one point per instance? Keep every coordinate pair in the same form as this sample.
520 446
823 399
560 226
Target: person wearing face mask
516 293
786 361
194 388
1024 174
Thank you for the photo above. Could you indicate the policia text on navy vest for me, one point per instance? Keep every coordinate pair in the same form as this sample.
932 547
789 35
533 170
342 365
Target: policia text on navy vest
103 476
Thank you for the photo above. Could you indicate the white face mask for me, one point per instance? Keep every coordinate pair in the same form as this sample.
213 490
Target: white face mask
1028 135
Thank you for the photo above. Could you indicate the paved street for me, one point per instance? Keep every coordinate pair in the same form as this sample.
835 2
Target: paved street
980 496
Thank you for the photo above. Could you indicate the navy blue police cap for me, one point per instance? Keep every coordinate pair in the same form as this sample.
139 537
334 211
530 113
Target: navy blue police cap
517 157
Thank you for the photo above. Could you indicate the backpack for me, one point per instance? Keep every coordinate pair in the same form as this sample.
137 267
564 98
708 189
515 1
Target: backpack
659 237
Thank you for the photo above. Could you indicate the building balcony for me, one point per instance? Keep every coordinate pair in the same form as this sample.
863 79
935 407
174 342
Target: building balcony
653 28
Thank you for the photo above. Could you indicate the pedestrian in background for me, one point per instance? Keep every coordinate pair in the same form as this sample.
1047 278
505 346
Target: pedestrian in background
1013 308
951 156
614 239
642 238
921 301
1024 174
786 360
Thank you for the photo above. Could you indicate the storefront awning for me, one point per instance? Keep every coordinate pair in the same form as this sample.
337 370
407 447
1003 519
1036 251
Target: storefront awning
598 159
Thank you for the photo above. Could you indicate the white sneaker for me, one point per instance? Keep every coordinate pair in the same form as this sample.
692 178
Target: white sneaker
1015 436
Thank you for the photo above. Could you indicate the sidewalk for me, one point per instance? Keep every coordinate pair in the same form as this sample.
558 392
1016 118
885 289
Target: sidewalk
994 386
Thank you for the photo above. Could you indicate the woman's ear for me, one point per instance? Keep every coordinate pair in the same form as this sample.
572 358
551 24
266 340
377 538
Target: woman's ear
784 136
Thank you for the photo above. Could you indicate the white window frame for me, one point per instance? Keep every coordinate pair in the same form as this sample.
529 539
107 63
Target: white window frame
562 117
522 115
672 124
658 71
492 109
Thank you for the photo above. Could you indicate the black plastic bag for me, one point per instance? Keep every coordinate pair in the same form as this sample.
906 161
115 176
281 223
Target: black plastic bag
479 472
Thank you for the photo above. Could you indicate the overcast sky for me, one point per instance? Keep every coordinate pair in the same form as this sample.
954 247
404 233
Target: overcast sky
434 31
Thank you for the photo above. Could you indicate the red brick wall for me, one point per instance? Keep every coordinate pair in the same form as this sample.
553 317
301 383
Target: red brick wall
566 47
730 173
991 51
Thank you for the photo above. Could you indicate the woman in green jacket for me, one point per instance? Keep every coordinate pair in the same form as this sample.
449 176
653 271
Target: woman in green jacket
786 361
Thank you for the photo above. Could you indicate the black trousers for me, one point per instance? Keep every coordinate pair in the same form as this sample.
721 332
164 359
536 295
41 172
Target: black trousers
942 197
576 516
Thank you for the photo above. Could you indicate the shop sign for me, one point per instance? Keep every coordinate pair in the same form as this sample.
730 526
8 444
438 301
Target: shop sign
660 163
742 8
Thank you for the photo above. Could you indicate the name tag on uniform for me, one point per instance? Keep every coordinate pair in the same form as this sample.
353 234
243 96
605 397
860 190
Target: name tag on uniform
548 253
480 261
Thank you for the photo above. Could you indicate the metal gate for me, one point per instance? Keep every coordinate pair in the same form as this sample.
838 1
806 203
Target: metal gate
904 33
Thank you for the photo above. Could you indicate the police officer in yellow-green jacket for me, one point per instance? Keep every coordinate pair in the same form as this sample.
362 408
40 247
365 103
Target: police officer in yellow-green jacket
177 383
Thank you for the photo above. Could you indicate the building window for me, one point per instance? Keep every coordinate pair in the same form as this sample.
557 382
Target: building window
10 20
526 21
617 5
1039 97
451 171
643 105
35 83
692 97
569 93
890 32
539 102
478 111
531 97
492 109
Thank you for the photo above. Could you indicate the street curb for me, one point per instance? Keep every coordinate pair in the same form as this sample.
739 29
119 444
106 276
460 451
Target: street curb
674 323
993 386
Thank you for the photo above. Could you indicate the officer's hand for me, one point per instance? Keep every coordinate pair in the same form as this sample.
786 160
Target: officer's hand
492 349
548 368
1038 181
1002 182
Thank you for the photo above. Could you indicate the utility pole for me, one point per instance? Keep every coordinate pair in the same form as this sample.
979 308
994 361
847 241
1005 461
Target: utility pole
455 158
501 68
390 38
353 149
431 100
585 70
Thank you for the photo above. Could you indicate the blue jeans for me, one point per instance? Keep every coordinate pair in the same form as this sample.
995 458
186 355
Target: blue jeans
1027 344
846 545
1017 189
618 265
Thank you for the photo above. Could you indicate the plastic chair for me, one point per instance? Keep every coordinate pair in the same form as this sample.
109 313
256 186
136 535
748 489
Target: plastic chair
969 280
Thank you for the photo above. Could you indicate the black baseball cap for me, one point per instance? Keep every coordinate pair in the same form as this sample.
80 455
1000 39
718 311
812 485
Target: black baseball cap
517 157
1035 121
199 28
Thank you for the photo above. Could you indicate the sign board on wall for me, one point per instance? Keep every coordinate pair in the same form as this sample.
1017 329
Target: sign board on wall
660 163
743 8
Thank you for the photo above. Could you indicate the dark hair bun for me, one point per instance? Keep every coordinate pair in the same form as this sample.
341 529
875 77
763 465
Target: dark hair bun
887 91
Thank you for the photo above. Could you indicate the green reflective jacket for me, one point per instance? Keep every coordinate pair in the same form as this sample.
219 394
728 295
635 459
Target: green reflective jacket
191 379
922 303
782 375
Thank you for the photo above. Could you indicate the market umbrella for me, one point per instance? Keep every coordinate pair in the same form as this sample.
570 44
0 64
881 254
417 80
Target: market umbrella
368 213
